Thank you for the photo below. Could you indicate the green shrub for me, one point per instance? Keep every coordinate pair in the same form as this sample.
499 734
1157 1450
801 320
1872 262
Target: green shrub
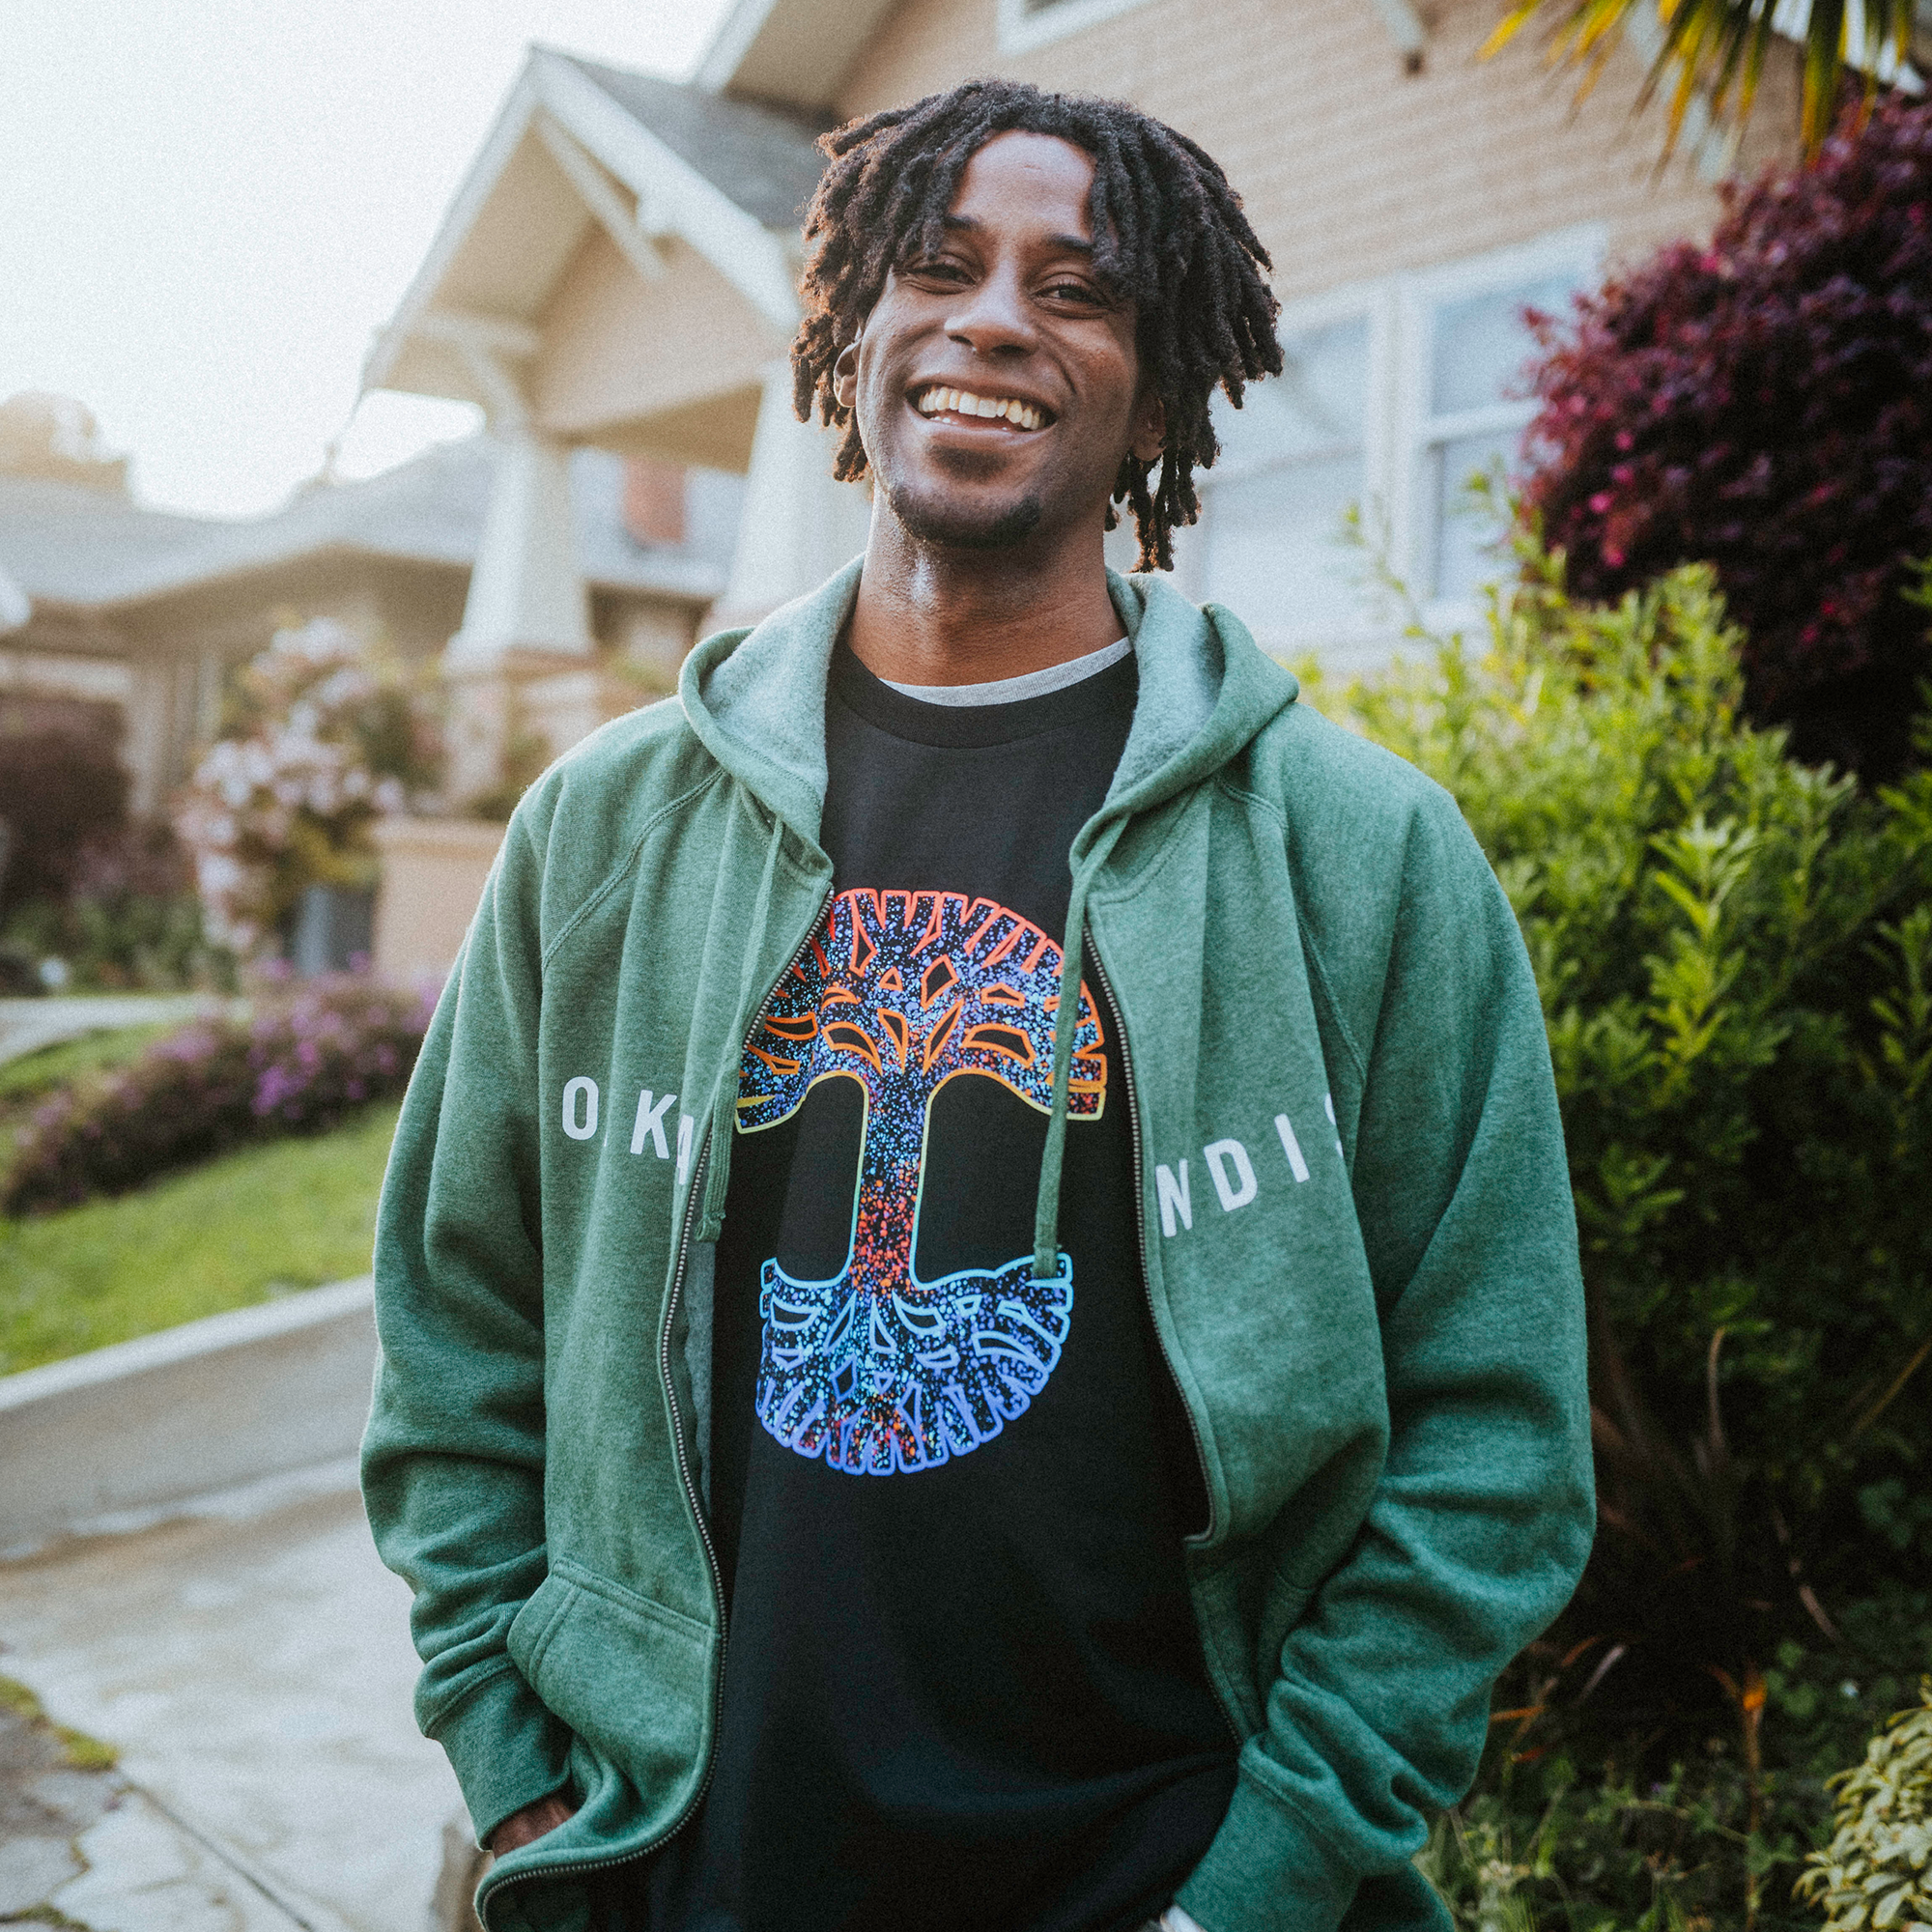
1877 1871
114 943
125 916
1573 1827
1735 957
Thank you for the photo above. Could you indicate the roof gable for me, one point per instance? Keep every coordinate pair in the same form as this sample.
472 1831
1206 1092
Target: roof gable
578 146
765 159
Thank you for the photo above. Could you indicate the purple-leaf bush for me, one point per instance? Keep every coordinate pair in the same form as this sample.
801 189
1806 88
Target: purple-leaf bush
1763 403
303 1062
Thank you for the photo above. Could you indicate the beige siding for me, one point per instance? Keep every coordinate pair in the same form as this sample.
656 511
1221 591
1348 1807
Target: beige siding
1350 168
617 348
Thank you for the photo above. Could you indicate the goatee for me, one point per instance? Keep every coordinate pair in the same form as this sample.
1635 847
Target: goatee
934 523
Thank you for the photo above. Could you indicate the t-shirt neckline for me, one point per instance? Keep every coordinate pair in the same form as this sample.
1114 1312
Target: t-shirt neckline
969 727
1011 689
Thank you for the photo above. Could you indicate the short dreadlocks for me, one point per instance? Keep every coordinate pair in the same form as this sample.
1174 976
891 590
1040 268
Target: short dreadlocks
1168 236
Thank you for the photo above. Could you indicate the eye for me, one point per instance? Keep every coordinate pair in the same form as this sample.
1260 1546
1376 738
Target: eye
1081 293
939 269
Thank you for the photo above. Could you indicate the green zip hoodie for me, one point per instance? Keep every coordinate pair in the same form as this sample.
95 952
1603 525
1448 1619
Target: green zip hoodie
1355 1215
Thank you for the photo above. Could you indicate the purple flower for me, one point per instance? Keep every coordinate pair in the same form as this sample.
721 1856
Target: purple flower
299 1061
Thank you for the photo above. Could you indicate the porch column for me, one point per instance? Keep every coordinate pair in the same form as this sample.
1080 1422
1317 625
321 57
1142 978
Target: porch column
526 589
798 525
522 669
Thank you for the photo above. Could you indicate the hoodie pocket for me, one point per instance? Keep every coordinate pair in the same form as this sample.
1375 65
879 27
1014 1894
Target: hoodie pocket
535 1624
631 1678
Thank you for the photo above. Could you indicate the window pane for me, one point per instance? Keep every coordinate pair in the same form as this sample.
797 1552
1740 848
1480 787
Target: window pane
1273 549
1270 544
1466 530
1481 343
1314 408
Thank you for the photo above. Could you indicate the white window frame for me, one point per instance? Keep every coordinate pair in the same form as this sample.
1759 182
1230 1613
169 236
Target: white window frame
1400 437
1576 251
1371 303
1020 30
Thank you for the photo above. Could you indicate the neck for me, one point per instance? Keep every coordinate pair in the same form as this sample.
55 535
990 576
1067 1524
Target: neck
929 613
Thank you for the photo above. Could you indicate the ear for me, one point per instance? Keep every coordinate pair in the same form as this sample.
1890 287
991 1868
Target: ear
1150 427
846 373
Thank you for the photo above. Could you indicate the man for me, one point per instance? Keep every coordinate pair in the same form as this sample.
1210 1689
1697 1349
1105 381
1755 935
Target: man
990 1155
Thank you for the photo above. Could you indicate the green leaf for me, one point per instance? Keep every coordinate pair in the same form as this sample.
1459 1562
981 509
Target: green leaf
1713 51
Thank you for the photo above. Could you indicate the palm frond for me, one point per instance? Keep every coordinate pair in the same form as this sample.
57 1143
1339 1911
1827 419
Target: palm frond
1714 51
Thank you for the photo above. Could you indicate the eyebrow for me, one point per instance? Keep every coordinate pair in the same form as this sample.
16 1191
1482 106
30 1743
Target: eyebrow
1069 245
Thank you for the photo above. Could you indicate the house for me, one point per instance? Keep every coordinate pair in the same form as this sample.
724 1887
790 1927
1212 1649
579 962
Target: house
112 607
618 268
613 284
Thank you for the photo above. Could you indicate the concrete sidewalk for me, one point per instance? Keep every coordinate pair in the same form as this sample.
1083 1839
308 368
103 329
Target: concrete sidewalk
26 1026
254 1670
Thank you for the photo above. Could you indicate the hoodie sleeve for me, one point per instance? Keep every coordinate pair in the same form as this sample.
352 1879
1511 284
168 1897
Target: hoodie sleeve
453 1460
1483 1515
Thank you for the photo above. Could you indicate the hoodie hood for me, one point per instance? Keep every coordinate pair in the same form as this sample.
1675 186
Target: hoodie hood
756 697
756 700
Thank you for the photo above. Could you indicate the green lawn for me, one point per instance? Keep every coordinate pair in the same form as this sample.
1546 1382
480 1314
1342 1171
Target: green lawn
243 1228
28 1080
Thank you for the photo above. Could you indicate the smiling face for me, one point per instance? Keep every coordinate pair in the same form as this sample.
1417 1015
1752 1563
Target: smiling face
996 382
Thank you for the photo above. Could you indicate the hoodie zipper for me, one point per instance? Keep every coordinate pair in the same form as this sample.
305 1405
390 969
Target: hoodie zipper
693 1195
1207 1535
1140 1238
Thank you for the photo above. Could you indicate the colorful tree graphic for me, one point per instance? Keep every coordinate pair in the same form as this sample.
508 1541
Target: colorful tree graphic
875 1370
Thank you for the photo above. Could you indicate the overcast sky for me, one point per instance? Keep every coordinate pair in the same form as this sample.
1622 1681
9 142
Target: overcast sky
208 206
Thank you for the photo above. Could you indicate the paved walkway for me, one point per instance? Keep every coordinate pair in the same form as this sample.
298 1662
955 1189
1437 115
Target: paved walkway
28 1025
255 1674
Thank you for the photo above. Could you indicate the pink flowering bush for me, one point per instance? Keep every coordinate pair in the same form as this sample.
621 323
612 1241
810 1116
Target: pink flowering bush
301 1064
323 738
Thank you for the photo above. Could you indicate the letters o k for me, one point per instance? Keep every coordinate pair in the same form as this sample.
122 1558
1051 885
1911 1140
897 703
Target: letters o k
571 1091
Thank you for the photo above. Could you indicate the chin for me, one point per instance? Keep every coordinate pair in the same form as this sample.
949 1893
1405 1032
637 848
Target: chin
956 526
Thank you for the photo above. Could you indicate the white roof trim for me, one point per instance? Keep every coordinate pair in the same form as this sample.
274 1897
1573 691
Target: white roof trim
718 64
791 51
628 229
681 201
500 334
506 134
672 195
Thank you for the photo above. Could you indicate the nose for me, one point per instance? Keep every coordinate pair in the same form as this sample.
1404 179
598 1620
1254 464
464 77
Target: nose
992 316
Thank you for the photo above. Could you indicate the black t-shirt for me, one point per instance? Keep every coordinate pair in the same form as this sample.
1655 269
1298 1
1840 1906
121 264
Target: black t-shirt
963 1685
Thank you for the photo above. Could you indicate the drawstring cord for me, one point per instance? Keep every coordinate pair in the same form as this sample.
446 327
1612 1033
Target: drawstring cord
1065 1020
718 1173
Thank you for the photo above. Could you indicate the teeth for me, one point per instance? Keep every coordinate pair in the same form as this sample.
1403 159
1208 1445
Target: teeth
964 402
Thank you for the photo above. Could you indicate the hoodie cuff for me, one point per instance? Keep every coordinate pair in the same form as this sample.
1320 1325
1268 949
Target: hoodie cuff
1266 1872
506 1749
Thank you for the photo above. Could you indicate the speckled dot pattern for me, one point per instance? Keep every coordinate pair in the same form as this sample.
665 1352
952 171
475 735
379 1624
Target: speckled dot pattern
877 1372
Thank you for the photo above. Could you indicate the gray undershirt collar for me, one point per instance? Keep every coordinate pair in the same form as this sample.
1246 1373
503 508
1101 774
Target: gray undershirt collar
1011 689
